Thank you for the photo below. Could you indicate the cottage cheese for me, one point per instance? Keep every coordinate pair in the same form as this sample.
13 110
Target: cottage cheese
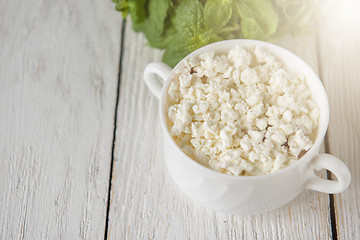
242 113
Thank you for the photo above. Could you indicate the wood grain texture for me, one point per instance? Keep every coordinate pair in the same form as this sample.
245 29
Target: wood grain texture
340 55
58 78
146 204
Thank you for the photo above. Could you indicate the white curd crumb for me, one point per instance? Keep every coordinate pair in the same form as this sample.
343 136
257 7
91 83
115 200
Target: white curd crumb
241 113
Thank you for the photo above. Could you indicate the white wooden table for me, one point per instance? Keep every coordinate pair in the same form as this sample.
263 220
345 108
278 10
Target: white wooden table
80 142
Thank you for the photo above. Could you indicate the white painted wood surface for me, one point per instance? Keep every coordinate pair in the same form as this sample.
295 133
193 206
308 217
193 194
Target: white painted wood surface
58 78
340 56
146 204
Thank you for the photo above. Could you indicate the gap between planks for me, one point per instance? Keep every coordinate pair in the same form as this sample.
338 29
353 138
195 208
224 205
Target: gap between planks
327 150
122 39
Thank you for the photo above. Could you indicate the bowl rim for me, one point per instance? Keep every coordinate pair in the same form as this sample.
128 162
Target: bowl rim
323 112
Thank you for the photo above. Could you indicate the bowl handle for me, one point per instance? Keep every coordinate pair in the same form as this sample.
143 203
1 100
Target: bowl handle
334 165
152 70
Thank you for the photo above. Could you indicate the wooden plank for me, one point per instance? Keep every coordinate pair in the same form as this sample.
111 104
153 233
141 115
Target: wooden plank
146 204
58 78
340 61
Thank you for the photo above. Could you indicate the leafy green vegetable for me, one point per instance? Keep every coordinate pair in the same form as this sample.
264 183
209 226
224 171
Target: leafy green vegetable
259 19
157 33
182 26
217 14
191 31
137 9
189 16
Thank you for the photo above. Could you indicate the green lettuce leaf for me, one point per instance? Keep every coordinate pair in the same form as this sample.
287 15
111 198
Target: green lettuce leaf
259 20
217 14
136 8
182 26
191 34
189 17
157 27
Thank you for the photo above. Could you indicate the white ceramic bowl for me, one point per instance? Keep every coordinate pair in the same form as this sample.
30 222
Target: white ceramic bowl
249 194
